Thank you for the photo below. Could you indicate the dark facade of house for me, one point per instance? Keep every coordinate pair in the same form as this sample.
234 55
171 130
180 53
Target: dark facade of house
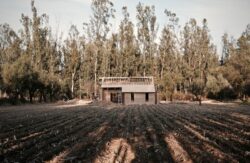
128 90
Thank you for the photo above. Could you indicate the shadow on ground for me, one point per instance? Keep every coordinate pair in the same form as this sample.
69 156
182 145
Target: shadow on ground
139 133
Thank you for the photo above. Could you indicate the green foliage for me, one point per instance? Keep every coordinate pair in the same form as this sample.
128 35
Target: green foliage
19 77
215 84
129 61
34 64
146 35
237 68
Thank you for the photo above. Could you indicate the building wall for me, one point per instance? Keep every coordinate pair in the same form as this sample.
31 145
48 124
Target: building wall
106 96
139 98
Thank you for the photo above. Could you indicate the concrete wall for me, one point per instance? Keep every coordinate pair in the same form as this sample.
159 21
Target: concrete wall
139 98
106 96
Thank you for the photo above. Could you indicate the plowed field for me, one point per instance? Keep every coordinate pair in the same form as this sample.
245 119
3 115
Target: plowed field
140 133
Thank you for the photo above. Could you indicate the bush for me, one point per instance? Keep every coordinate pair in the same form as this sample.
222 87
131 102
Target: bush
227 93
11 101
183 96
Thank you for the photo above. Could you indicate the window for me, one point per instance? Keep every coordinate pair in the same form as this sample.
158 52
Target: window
146 97
132 97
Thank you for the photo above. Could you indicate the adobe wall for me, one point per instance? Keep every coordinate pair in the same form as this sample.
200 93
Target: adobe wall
139 98
106 95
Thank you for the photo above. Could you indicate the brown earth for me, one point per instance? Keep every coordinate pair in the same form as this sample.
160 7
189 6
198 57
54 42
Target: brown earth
140 133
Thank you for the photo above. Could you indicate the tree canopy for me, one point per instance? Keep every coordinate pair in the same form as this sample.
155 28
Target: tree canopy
35 64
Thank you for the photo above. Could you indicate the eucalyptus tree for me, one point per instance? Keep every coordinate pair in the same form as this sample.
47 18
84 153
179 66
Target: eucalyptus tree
237 68
18 75
39 36
88 69
146 35
168 56
10 44
128 58
225 49
98 29
10 51
199 55
72 59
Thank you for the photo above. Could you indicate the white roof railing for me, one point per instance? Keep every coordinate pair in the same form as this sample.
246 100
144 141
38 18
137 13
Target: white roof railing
127 80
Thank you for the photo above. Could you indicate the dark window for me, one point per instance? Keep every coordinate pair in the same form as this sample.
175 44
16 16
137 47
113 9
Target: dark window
114 97
132 97
146 96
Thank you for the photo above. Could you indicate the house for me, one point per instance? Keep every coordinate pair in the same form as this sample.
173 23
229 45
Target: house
128 90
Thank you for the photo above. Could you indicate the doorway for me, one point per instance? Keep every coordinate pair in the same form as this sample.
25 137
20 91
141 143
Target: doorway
116 97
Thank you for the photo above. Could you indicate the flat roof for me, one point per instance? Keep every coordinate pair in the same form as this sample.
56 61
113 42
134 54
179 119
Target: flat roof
129 84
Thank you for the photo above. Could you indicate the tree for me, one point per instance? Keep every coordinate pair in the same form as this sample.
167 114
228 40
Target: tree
9 44
10 50
216 85
88 68
146 35
98 28
35 64
112 56
39 33
20 77
128 58
227 48
237 69
200 56
72 58
169 73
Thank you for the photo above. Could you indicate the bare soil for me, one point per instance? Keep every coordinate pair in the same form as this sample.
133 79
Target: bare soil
174 132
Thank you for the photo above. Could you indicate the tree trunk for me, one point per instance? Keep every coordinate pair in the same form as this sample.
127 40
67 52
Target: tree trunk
175 88
22 97
161 73
72 84
200 100
44 97
95 77
244 97
80 87
51 96
31 96
40 96
51 93
171 97
185 90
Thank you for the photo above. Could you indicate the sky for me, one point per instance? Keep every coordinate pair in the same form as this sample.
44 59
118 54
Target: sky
231 16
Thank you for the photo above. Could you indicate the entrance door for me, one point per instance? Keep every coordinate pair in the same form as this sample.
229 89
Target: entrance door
116 97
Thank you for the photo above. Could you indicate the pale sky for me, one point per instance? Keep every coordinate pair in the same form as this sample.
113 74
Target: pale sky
231 16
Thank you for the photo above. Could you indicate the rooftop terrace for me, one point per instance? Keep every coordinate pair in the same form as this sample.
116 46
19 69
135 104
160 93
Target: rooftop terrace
127 80
129 84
